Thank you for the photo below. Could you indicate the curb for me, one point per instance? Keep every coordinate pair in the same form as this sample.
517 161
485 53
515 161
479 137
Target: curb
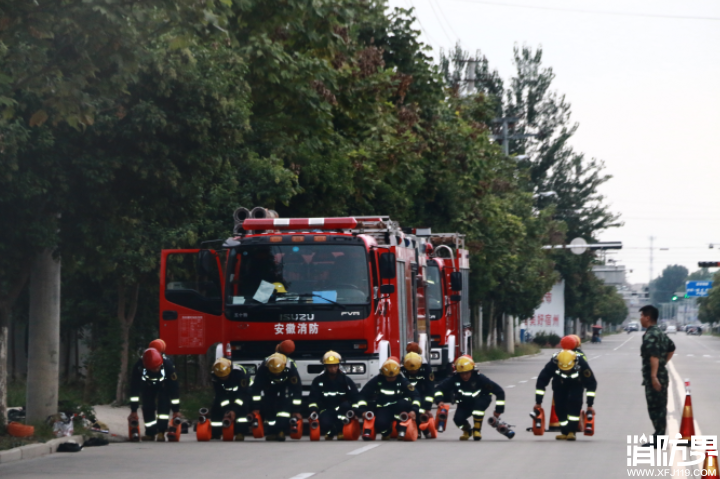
512 359
33 451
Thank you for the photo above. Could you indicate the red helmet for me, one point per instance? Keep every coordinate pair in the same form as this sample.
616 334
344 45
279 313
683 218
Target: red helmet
568 342
413 348
286 348
158 344
152 359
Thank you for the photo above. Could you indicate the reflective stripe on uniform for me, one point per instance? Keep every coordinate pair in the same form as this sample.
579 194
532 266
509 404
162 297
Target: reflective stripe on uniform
416 403
540 392
271 423
387 391
257 398
478 413
563 423
438 393
313 405
241 419
500 403
216 423
573 418
362 403
429 398
239 402
297 402
422 411
163 416
574 375
591 394
174 401
283 414
150 424
224 403
135 399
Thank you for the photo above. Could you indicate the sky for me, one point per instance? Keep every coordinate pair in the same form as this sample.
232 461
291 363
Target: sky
643 79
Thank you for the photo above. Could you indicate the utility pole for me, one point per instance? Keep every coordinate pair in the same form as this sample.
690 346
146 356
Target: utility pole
505 137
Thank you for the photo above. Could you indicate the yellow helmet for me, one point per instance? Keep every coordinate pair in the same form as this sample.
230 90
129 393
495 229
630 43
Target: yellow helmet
331 357
464 364
566 360
222 367
412 361
390 368
276 363
280 288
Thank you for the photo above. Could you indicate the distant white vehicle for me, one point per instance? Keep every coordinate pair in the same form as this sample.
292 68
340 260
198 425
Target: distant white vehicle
671 329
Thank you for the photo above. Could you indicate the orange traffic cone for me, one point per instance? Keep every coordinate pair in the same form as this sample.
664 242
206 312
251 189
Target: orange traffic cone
554 424
710 465
687 427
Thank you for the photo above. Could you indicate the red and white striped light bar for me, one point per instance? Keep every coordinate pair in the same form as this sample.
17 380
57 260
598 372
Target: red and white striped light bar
299 224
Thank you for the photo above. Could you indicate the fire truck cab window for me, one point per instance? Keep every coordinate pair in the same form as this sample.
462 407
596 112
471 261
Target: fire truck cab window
434 292
193 284
299 274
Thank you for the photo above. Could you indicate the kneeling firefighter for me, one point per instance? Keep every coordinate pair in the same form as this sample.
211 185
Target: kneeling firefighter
421 376
392 395
472 391
332 395
154 384
570 374
231 395
277 394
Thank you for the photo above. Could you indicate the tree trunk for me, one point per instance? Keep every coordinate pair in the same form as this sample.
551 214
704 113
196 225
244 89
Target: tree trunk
126 315
6 304
492 330
44 338
478 330
509 334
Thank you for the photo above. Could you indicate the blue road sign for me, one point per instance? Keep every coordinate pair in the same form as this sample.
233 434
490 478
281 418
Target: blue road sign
695 289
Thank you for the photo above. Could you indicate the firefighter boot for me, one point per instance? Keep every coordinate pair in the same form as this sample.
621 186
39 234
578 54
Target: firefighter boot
386 437
477 428
561 437
160 437
466 432
271 437
570 436
239 437
147 438
281 436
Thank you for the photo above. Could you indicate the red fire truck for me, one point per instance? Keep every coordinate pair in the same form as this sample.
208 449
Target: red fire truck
347 284
448 305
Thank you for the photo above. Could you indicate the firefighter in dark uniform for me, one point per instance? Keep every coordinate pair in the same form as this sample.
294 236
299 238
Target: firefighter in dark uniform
422 378
231 395
392 395
656 350
570 375
277 395
154 384
332 395
473 392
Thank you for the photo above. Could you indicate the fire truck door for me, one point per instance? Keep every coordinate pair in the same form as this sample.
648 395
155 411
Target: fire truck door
191 292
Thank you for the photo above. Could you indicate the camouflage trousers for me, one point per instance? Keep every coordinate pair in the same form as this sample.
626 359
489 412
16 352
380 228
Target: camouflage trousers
657 407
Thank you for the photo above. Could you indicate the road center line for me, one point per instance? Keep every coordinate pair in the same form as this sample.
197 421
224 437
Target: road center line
623 344
523 381
361 450
595 357
510 386
303 475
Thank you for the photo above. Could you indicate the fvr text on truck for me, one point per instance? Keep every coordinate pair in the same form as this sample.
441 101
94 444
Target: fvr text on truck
353 285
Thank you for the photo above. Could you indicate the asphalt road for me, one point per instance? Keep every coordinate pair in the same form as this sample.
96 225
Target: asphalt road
620 408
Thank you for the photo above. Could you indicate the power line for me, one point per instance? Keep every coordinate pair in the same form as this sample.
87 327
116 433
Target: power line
432 40
596 12
446 20
439 22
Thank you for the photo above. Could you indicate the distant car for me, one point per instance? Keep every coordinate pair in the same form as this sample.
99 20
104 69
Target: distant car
632 327
671 329
694 330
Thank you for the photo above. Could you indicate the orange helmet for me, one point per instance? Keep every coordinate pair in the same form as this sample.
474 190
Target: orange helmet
413 348
158 344
568 342
577 339
287 347
152 359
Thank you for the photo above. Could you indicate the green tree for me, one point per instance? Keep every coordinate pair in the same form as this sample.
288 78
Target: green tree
709 311
671 279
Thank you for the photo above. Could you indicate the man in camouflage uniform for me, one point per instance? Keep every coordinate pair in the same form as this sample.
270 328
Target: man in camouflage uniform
656 351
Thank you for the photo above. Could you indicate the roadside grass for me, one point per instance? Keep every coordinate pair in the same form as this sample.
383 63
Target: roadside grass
496 354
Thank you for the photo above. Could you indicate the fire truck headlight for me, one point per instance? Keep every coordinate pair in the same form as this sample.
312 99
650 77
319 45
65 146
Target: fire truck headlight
434 354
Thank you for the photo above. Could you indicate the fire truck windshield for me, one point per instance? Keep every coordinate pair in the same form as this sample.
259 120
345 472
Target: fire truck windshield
298 274
434 296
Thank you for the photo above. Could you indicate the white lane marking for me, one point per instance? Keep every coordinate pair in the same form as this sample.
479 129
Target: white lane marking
303 475
510 386
595 357
706 356
678 382
671 399
691 355
534 377
623 344
523 381
362 449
